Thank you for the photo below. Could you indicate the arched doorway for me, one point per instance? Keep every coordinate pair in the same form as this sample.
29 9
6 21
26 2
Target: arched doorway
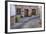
33 11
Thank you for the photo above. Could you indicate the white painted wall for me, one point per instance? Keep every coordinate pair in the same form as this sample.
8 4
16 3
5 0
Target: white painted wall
12 10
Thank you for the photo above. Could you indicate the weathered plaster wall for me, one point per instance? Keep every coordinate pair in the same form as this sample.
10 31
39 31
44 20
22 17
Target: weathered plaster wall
12 10
29 8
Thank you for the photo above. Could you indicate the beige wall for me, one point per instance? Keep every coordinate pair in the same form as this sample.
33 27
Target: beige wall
29 8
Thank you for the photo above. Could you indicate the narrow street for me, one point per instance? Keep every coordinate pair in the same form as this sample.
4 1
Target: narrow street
27 22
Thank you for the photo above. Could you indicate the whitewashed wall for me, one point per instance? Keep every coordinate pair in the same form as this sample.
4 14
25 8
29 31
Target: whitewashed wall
12 10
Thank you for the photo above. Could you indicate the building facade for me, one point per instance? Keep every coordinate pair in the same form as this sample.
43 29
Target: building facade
24 11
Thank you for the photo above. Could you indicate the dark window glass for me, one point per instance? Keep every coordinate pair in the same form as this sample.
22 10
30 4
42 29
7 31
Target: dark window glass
18 11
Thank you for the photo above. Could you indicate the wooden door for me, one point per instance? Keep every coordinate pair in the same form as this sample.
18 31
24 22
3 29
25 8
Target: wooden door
33 11
26 12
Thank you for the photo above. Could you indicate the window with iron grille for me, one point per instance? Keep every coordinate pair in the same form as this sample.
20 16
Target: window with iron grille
18 11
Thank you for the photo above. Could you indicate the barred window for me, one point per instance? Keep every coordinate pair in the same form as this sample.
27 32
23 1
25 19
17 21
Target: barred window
18 11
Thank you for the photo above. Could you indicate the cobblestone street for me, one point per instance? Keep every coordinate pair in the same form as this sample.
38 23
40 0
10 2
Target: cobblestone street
27 22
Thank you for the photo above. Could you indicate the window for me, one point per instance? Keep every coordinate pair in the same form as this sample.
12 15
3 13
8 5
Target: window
18 11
